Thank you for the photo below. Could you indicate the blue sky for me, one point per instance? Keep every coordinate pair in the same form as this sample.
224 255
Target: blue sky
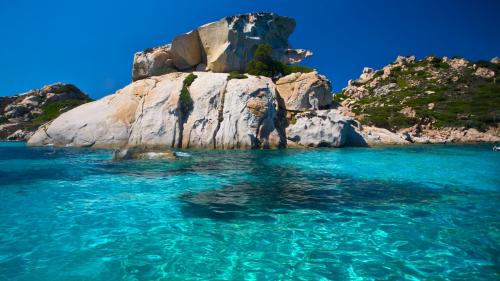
91 43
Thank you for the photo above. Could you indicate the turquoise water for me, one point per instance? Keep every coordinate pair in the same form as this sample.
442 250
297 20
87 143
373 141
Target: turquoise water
404 213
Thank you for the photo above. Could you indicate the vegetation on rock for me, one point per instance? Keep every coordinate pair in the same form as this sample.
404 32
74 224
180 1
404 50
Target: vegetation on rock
53 110
263 64
186 102
438 92
236 75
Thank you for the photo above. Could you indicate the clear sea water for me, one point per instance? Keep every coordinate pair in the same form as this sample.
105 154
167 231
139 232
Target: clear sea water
395 213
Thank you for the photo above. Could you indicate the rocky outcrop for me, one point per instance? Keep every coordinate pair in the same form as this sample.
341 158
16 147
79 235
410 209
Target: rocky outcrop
305 91
234 114
22 114
222 46
322 128
432 100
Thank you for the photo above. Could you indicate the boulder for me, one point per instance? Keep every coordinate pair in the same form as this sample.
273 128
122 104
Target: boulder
230 42
305 91
222 46
153 62
495 60
484 72
186 50
318 129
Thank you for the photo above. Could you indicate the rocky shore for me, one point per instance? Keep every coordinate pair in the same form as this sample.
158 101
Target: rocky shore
197 93
432 100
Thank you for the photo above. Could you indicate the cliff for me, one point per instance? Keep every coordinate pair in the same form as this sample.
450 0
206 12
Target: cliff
22 114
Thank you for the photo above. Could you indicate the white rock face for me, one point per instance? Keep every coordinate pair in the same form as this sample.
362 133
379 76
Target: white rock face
319 128
102 123
249 115
158 113
202 125
305 91
147 113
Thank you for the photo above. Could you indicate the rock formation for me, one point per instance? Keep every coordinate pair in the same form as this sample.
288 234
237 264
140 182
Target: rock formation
20 115
222 46
234 114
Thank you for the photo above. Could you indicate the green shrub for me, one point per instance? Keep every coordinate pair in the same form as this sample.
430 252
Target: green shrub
262 64
189 79
339 97
402 83
65 88
53 110
186 102
236 75
3 119
289 69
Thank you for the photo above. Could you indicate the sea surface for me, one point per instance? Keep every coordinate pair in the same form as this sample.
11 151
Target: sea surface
394 213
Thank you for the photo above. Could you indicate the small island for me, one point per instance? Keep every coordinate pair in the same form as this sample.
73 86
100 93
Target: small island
237 84
228 154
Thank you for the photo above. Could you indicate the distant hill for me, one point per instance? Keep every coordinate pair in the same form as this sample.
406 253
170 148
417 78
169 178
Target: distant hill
22 114
431 93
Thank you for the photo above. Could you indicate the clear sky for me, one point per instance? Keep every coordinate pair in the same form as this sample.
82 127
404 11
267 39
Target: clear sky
91 43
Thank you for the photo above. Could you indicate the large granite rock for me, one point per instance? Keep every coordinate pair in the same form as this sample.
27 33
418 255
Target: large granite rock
22 114
222 46
305 91
235 114
319 129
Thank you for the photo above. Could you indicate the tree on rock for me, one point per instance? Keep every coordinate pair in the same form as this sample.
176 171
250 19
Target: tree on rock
263 64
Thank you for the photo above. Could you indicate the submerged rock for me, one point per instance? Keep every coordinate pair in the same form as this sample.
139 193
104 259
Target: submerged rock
143 154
